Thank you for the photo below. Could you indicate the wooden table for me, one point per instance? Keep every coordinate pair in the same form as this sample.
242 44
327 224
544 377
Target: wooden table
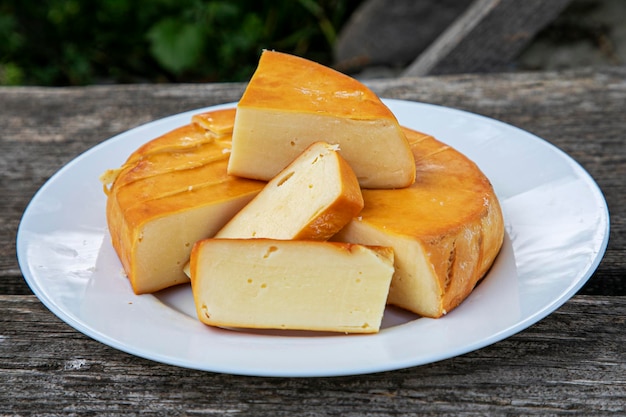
572 362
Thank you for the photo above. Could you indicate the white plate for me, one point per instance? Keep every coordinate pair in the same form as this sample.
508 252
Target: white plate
556 233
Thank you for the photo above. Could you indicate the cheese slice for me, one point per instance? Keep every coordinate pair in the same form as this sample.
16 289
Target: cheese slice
170 193
287 284
446 229
292 102
311 199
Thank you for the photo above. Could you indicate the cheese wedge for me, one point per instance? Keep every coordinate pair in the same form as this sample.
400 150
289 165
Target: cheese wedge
292 102
311 199
170 193
286 284
446 229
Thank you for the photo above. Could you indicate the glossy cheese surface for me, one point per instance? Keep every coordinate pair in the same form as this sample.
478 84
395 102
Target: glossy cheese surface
446 229
292 102
296 85
216 122
290 284
311 199
171 192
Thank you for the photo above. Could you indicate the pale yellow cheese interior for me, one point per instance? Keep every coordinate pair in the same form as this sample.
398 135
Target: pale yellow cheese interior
445 230
265 141
297 285
292 102
312 198
164 244
171 192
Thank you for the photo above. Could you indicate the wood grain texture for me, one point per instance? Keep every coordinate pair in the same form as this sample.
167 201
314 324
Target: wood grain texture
392 33
581 112
42 129
487 37
570 363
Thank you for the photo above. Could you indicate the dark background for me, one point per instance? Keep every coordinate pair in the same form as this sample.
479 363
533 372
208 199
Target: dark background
80 42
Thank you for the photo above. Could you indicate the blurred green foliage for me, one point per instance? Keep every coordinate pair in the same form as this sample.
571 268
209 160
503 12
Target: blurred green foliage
77 42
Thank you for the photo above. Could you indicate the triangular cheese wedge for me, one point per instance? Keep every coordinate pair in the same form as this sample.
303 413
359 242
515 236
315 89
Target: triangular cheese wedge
311 199
170 193
292 102
446 229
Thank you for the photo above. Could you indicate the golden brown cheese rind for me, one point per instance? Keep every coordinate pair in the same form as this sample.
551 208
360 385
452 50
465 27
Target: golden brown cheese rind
292 102
290 284
446 229
292 84
218 122
311 199
171 192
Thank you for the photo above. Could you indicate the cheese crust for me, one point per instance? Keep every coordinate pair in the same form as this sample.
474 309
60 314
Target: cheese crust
170 193
311 199
292 102
446 229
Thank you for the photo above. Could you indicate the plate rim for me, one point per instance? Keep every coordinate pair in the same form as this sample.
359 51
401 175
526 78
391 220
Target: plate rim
494 338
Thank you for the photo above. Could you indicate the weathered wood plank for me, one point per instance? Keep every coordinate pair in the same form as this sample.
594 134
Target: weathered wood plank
572 362
42 129
580 112
486 37
392 33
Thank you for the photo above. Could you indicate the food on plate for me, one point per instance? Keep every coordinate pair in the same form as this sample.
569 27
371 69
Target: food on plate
290 284
170 193
291 102
218 123
445 230
311 199
439 227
